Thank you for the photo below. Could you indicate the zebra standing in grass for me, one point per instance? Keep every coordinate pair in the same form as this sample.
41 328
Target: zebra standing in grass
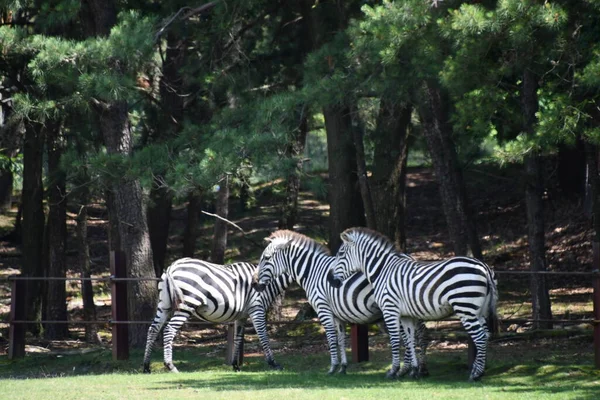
308 263
408 290
212 293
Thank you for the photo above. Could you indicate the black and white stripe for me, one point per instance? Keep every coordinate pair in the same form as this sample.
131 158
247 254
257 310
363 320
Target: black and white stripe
212 293
407 290
309 263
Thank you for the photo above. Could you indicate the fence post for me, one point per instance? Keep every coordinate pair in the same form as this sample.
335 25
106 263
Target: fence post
18 312
359 341
596 300
118 291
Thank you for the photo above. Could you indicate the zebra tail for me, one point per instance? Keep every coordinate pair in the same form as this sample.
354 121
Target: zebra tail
492 319
173 293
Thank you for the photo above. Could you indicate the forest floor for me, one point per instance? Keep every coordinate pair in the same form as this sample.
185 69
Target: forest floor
497 198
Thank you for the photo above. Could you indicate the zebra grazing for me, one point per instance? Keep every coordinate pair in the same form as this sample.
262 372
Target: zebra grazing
212 293
308 263
407 290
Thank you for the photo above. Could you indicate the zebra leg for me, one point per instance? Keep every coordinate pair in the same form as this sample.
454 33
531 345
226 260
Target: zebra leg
153 331
341 341
392 323
260 326
407 359
327 320
179 318
408 331
479 334
422 342
238 326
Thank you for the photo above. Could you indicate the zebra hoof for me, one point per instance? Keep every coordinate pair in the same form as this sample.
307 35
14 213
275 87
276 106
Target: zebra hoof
475 378
423 371
172 368
414 373
147 368
236 368
274 365
332 370
392 374
342 370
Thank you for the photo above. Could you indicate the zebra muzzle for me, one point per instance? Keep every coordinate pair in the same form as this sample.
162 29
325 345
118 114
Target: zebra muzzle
259 287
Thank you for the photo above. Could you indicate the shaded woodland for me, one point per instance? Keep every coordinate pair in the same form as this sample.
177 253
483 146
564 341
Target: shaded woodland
141 108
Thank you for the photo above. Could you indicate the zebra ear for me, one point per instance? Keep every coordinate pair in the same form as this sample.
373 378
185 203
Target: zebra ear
345 236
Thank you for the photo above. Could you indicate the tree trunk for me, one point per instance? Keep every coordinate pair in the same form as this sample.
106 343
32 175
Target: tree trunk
389 169
56 294
6 176
438 134
535 206
190 234
6 188
159 219
169 123
571 169
126 202
592 157
83 258
129 210
289 214
33 221
346 208
217 253
361 168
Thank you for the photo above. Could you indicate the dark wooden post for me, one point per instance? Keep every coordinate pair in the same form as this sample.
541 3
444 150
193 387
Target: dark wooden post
18 312
359 341
596 295
118 291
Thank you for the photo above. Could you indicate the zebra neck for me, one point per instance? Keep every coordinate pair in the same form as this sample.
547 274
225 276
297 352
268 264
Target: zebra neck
308 265
375 264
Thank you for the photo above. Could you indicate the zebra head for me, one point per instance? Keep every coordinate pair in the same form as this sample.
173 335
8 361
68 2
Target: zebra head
271 265
347 259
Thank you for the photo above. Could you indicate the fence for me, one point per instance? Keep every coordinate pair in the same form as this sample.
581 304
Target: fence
358 336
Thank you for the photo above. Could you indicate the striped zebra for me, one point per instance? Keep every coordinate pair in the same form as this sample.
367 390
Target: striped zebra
212 293
408 290
309 263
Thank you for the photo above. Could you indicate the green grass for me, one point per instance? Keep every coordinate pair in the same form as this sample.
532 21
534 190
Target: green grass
526 372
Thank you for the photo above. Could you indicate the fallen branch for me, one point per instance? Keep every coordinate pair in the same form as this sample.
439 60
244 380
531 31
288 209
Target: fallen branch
254 242
191 12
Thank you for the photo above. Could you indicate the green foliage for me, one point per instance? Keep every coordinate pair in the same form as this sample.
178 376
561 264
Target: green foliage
246 78
73 72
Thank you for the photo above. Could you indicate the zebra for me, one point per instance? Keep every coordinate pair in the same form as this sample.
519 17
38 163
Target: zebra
407 290
308 263
213 293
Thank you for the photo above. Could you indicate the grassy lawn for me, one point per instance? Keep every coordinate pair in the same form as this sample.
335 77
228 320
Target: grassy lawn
544 369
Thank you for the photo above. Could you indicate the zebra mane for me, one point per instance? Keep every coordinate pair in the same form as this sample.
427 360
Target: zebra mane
380 238
300 239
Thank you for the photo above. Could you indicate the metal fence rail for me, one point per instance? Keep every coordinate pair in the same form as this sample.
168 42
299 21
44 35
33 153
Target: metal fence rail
358 335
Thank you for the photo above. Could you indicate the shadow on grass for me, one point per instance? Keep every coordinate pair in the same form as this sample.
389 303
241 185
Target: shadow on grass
510 380
448 372
204 368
